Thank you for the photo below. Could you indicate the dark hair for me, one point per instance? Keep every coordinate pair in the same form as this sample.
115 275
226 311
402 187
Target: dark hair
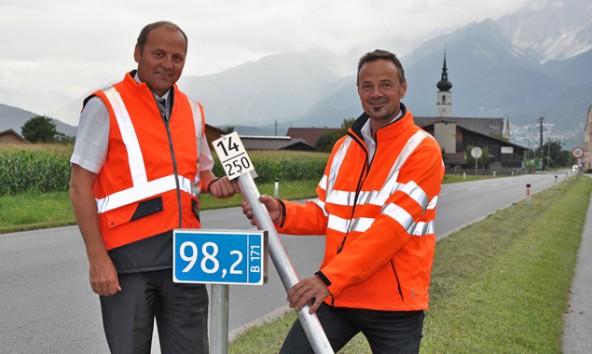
382 54
143 37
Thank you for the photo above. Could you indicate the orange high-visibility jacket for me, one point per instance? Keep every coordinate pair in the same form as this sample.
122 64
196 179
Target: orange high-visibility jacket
378 218
150 180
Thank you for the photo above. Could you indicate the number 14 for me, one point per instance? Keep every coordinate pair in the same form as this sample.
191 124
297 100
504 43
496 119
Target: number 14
231 145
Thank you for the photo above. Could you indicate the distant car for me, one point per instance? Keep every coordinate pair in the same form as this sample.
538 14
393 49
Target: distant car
574 168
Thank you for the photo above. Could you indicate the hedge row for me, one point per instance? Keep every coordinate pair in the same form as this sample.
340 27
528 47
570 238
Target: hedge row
48 169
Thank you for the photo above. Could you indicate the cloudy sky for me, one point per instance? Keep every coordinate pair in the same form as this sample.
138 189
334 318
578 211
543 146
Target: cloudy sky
55 51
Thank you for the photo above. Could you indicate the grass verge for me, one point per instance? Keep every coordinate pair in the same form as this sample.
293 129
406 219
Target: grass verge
34 210
498 286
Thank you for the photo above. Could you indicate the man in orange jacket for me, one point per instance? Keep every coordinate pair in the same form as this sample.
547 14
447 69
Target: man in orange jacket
138 166
376 207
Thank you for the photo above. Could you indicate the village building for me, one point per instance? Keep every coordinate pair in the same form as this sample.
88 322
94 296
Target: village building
457 135
10 137
587 160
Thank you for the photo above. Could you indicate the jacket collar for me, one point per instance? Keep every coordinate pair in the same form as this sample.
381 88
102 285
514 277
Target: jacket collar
356 127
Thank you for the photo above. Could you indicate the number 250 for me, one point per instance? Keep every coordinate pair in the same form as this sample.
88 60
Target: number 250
238 165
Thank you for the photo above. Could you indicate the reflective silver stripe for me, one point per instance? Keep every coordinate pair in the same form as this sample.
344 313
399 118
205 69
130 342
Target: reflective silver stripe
401 216
338 224
378 198
361 224
339 197
416 193
128 134
323 183
432 203
336 164
391 185
424 228
197 122
143 191
321 205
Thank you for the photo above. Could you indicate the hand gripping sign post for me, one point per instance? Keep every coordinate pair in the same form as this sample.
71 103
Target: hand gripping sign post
237 164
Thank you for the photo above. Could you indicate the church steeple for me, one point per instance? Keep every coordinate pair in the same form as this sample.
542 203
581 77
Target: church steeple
444 84
444 96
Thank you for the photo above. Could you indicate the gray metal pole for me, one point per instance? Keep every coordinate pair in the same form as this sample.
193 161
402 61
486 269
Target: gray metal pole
310 322
219 323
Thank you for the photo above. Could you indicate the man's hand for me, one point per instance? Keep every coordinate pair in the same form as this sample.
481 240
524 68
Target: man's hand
311 291
270 203
223 188
103 277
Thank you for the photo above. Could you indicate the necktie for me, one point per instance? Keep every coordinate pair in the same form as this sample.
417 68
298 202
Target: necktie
162 107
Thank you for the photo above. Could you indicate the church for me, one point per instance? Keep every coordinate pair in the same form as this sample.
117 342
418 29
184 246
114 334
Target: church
458 135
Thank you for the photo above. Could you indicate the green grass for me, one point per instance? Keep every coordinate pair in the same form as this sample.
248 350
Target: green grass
453 178
34 210
286 190
498 286
502 285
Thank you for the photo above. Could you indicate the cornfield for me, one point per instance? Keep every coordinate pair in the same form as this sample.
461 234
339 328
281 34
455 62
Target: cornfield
42 168
284 165
46 167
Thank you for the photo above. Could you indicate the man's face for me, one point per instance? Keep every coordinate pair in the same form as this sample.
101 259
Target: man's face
161 61
380 90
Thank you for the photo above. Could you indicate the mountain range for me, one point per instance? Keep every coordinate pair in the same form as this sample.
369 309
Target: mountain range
536 62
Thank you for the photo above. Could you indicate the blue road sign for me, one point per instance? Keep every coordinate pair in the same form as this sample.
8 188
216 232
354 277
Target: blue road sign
220 257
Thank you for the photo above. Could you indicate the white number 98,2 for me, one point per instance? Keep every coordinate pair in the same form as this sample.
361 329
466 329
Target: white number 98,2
209 264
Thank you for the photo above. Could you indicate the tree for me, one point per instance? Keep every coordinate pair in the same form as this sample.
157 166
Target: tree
326 141
227 130
553 154
481 161
39 129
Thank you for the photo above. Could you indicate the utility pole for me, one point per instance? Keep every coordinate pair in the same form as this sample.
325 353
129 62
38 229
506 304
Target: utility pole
541 135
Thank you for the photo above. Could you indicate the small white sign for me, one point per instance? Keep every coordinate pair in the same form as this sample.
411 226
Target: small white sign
232 155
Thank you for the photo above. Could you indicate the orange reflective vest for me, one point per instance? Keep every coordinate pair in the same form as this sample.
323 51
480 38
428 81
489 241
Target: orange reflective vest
150 182
378 217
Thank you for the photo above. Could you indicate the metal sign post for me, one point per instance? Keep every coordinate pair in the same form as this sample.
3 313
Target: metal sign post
220 257
578 153
219 323
476 153
237 164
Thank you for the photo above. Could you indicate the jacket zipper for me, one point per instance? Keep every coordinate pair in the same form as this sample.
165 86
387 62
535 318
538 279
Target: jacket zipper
358 190
175 170
392 263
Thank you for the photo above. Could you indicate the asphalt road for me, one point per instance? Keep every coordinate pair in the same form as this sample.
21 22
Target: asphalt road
46 305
